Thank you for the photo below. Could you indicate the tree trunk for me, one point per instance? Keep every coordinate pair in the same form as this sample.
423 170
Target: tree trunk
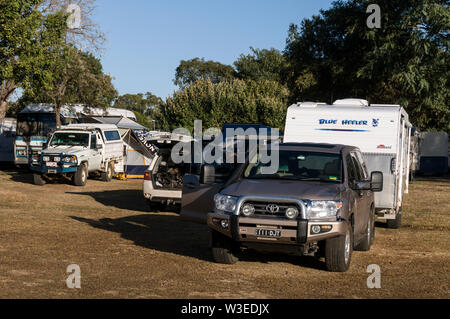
3 109
58 115
6 90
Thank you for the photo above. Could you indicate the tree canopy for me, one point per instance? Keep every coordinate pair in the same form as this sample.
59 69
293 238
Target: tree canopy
231 101
23 43
335 55
145 106
263 64
39 54
192 70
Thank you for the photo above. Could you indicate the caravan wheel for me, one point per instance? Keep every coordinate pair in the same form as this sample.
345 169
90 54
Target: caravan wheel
397 222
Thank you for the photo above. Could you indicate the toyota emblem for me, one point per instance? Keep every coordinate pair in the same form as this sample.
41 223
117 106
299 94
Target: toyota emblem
272 208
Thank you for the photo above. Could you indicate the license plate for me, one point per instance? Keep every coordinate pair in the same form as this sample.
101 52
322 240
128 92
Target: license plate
270 233
52 164
52 171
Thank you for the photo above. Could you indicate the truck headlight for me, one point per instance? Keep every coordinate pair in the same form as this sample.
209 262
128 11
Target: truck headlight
323 209
46 159
225 203
70 159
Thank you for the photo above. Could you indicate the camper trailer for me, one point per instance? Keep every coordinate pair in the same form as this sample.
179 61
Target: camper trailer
434 153
414 155
382 132
7 134
36 122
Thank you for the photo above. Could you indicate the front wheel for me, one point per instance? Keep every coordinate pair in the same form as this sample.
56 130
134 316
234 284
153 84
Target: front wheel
80 178
222 249
338 252
38 179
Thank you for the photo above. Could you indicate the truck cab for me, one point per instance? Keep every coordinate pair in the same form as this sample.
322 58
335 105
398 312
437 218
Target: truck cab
77 151
320 201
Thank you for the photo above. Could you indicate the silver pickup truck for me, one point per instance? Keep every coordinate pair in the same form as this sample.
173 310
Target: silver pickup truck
77 150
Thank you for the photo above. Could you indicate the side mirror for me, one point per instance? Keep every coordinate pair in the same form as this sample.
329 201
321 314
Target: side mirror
377 181
208 175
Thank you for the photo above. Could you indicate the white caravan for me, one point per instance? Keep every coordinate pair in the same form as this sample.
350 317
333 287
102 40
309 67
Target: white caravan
382 132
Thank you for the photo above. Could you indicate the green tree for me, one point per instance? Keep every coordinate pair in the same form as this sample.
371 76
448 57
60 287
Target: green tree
144 106
75 77
234 101
265 64
335 55
23 42
192 70
138 102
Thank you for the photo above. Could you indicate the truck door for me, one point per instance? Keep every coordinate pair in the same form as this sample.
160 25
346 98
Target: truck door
363 210
356 196
197 199
95 160
198 194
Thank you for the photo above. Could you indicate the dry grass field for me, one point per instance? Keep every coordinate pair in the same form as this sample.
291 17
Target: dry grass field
125 251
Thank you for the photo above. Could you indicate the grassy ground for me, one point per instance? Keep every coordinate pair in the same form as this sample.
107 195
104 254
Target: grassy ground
124 251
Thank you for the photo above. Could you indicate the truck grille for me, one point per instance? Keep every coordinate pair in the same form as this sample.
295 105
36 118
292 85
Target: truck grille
271 209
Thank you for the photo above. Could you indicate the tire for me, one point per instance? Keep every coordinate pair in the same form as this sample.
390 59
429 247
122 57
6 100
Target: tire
155 207
38 179
395 223
338 252
222 249
107 176
369 235
80 178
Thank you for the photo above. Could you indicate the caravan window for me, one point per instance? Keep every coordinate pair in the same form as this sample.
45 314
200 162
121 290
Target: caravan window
112 136
35 124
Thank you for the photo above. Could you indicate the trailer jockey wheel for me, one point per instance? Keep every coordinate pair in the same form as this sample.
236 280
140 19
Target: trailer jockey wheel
397 222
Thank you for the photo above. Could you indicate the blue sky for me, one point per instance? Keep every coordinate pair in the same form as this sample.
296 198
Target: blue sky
148 39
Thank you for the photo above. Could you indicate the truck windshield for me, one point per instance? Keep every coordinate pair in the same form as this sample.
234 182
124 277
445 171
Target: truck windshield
298 165
70 139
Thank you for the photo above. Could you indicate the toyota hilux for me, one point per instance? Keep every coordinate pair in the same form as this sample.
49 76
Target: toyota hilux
319 202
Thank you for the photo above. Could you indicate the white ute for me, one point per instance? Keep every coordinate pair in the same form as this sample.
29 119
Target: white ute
78 150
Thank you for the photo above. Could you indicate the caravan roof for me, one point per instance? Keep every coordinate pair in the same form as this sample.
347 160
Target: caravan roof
89 126
120 122
73 110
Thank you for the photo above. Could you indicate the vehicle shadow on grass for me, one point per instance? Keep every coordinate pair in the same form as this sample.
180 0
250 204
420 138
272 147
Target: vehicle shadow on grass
266 257
168 233
25 176
130 199
165 233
